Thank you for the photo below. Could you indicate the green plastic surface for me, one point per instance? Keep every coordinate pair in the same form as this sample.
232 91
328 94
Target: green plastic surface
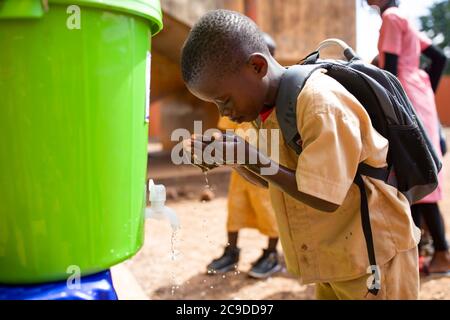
73 140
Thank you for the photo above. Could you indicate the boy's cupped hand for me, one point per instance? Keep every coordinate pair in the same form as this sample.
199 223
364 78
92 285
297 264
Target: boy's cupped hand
209 152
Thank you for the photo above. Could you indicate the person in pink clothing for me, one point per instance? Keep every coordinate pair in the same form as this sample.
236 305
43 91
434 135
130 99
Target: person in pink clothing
400 47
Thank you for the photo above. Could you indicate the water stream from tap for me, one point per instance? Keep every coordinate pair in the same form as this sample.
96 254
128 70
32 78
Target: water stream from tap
173 256
205 174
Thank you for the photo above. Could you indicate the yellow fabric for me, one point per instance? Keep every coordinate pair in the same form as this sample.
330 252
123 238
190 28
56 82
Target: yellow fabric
337 135
249 207
225 123
399 278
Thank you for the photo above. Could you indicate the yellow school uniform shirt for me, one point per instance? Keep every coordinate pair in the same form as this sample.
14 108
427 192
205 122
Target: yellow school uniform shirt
249 206
336 135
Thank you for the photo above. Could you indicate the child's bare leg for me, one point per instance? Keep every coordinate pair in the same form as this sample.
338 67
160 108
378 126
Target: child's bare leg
232 239
272 246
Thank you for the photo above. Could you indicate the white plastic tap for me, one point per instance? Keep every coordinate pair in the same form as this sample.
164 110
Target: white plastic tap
158 209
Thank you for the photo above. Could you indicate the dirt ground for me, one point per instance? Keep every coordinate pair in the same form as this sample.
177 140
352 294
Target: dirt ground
202 238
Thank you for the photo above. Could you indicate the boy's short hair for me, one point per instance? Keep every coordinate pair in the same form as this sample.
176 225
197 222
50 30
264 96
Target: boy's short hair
221 39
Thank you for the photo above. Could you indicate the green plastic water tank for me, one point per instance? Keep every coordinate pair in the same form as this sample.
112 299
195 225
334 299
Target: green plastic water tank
74 96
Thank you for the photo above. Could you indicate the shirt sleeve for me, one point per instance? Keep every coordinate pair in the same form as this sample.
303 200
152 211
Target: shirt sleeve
332 147
391 34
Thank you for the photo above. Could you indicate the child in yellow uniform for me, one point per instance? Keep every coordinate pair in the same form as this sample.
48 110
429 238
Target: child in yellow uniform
316 201
248 207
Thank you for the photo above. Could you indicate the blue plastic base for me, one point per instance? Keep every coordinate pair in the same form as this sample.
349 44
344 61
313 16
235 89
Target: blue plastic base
95 287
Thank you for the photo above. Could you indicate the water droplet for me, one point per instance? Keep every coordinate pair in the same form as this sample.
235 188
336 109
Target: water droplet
174 253
205 173
173 256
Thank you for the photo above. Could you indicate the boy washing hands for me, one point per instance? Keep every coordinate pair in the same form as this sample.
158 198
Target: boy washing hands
317 204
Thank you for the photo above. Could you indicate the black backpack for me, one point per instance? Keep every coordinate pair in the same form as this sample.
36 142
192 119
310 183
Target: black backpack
412 162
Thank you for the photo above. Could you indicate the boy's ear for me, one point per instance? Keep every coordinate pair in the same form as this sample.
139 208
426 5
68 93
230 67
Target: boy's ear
259 64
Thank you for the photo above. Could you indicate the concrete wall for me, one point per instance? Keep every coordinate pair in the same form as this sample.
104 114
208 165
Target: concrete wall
298 26
189 11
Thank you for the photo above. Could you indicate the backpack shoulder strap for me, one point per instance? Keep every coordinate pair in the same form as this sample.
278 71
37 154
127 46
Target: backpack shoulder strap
291 85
